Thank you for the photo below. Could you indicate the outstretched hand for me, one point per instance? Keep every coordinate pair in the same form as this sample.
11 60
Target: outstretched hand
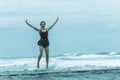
57 18
26 21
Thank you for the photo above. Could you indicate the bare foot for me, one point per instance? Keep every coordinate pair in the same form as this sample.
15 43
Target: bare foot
37 65
46 67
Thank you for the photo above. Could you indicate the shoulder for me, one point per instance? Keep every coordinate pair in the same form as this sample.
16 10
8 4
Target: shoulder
39 30
47 29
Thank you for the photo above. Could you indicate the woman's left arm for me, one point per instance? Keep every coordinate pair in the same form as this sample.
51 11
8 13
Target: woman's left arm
53 24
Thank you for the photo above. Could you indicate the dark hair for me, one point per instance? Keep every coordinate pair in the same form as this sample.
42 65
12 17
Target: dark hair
42 22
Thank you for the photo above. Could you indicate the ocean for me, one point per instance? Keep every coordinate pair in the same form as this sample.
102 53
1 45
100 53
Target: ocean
71 66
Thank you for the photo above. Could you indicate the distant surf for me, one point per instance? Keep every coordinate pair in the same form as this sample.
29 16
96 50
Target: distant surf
69 64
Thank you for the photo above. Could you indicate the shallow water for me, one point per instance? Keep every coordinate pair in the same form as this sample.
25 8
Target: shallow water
66 67
77 75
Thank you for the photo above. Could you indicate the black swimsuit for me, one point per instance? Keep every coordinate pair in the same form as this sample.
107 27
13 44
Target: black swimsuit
44 39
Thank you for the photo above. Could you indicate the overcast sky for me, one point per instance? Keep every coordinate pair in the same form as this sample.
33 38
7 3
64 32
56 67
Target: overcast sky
86 26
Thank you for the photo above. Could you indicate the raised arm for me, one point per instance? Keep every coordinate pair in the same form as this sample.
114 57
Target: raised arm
53 24
26 21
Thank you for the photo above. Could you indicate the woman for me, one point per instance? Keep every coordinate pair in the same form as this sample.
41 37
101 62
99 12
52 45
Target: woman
43 42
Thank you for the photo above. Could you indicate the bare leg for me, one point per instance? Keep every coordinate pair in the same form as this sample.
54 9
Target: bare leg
47 57
39 56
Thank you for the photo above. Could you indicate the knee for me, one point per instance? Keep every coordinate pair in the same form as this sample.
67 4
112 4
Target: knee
47 54
39 55
41 51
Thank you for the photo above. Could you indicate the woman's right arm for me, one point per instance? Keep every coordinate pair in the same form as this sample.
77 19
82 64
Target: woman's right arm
26 21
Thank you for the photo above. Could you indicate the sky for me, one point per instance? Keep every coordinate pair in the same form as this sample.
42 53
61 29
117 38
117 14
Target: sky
85 26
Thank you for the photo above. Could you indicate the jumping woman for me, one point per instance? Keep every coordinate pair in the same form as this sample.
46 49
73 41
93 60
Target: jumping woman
43 42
